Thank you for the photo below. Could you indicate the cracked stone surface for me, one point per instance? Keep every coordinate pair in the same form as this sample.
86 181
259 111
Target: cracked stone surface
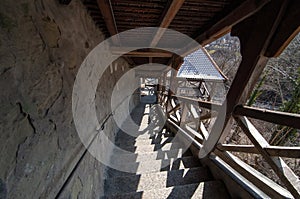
42 45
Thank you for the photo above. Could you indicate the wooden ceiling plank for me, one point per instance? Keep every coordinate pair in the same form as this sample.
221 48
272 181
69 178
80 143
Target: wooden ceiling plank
168 16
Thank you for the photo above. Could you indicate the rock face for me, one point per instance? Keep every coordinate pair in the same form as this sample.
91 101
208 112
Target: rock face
42 45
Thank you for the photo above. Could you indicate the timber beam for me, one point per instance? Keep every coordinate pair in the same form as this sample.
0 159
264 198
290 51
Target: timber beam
166 19
210 34
109 19
255 34
144 53
222 27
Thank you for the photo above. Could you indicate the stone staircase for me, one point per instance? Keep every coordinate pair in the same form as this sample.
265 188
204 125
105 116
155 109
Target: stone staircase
153 165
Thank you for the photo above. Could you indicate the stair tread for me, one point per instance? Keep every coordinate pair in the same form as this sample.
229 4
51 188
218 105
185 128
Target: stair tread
148 166
148 181
120 158
208 189
150 148
140 142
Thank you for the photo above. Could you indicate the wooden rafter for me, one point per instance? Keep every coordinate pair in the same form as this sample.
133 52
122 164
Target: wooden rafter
168 16
144 54
205 36
109 19
245 10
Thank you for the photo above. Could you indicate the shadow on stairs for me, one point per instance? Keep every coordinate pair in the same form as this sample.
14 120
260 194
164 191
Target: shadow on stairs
153 165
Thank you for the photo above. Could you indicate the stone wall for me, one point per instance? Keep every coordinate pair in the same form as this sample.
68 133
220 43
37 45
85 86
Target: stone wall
42 45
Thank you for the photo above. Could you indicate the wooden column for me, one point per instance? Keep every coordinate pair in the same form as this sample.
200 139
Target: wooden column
255 34
176 63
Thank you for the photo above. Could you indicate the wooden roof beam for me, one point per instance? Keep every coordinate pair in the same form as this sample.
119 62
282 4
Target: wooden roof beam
146 54
134 53
108 16
168 16
223 26
287 30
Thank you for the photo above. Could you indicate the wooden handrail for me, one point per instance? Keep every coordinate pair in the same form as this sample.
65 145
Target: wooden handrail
282 118
272 154
289 152
203 104
265 184
286 175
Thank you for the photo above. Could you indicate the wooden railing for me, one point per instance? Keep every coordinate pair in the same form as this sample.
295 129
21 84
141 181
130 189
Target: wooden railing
193 116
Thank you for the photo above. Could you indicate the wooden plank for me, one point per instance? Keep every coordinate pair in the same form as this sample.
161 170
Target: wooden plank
254 34
282 118
289 152
202 104
203 131
265 184
191 138
184 113
167 18
108 16
178 106
126 49
208 115
149 54
286 175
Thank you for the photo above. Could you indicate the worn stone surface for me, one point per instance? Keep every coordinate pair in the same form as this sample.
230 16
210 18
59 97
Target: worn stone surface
42 45
154 166
209 189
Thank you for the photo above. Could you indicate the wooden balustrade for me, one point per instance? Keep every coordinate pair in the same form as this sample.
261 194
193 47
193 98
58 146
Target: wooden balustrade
187 115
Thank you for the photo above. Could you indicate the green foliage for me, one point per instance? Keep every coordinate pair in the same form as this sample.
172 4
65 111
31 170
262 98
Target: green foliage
283 133
293 105
256 92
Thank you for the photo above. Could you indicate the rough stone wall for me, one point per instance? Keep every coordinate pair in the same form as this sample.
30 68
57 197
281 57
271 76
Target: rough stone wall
42 45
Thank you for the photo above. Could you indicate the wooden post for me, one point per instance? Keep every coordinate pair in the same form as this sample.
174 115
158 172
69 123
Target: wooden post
255 34
176 63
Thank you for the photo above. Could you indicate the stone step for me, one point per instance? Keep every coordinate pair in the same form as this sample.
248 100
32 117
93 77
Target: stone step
209 189
121 158
154 166
150 148
139 142
138 136
132 132
158 180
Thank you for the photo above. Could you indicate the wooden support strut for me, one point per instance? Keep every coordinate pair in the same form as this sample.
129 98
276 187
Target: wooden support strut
246 9
166 19
254 34
282 118
286 175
